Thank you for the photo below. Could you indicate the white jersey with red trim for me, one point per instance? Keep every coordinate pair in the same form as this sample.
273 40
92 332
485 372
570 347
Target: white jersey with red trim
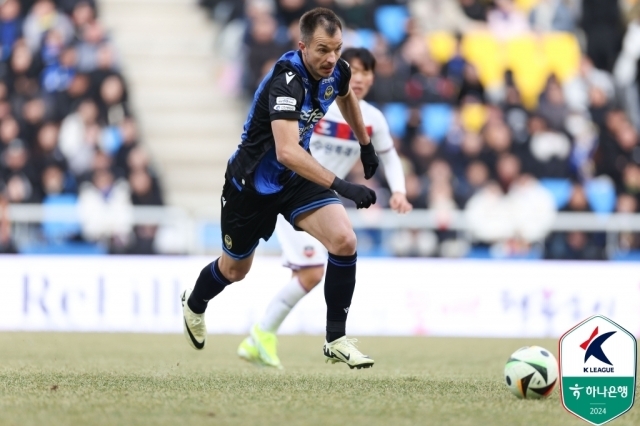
334 145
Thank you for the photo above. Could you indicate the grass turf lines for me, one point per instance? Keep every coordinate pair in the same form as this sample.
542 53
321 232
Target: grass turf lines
142 379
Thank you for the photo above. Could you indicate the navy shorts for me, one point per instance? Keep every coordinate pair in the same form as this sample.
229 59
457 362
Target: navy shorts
248 215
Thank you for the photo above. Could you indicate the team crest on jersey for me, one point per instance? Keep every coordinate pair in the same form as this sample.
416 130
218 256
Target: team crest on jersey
328 92
309 251
227 242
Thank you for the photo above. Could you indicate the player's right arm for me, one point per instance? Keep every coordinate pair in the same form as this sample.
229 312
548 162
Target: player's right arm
286 96
293 156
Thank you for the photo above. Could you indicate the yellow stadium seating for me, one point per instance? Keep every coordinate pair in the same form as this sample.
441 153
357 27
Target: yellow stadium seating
442 46
532 58
563 54
485 53
525 58
473 117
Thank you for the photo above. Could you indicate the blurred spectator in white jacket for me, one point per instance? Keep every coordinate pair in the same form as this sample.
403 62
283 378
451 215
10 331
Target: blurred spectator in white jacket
577 90
524 213
105 209
79 135
625 71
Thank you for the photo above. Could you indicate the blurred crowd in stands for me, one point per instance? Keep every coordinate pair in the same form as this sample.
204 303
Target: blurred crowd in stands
506 111
67 134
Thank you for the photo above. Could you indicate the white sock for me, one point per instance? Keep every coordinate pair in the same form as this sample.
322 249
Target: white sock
281 305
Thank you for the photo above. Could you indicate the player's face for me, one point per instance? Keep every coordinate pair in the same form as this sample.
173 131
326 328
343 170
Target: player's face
361 79
322 53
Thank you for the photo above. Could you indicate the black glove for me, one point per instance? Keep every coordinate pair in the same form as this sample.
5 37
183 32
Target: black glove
360 194
369 160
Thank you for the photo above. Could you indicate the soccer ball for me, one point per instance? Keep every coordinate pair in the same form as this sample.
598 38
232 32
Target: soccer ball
531 372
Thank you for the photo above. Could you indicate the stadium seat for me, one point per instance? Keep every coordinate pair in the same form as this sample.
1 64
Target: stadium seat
391 22
442 46
436 120
560 190
55 207
562 53
601 194
484 51
521 51
526 60
397 115
473 117
364 38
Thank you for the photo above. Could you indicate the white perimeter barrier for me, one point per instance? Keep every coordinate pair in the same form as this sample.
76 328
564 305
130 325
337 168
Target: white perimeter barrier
393 296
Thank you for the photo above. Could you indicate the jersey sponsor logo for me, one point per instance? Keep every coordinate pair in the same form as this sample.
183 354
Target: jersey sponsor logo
227 242
289 76
284 100
337 149
328 92
309 251
338 130
311 116
328 80
284 108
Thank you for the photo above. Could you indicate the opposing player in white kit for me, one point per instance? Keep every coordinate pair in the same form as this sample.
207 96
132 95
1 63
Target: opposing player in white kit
334 145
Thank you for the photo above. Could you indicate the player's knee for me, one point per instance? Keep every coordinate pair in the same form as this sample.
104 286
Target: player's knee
345 243
310 277
233 271
236 274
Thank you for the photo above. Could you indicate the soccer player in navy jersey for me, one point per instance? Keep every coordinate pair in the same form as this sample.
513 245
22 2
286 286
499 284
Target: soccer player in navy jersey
272 172
335 146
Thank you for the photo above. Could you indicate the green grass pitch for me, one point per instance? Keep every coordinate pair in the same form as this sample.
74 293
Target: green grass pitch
142 379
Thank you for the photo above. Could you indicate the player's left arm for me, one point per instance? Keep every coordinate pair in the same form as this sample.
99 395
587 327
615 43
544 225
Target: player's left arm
383 144
350 109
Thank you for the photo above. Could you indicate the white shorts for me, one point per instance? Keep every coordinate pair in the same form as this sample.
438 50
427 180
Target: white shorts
299 249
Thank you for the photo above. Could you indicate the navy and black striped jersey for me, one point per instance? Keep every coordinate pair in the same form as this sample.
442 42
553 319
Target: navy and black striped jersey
287 92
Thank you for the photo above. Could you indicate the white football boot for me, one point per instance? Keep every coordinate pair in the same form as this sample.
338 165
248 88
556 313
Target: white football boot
344 350
195 330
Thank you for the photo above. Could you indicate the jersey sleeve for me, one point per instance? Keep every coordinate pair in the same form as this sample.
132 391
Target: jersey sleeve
345 77
383 144
380 137
286 96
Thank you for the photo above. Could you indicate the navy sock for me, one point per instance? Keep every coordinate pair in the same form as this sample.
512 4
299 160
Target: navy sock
208 285
339 284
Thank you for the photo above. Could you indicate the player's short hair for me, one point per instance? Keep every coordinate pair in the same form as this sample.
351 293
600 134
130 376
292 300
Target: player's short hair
363 55
315 18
